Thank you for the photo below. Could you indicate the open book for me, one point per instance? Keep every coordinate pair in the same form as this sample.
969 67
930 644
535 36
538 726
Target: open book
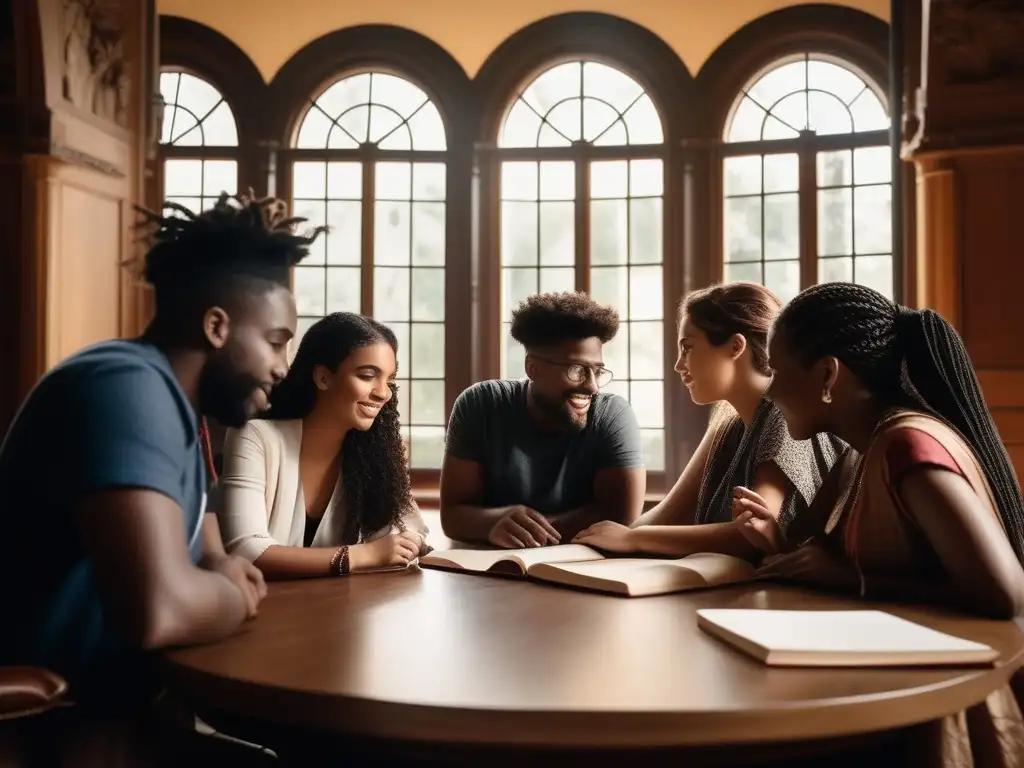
839 639
576 565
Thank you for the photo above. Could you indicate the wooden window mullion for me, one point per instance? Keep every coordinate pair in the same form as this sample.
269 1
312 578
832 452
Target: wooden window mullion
366 262
808 206
582 222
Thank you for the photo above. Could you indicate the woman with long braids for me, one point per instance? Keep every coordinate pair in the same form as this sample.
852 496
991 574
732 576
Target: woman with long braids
321 486
930 511
723 360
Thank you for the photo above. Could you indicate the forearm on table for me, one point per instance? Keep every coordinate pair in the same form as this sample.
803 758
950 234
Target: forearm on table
202 607
281 562
683 540
924 591
469 522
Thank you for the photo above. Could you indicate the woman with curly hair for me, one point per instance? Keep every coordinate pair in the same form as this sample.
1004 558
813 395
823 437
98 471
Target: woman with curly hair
321 486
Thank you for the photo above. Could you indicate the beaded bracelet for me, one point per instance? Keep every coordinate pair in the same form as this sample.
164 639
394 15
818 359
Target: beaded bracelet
340 565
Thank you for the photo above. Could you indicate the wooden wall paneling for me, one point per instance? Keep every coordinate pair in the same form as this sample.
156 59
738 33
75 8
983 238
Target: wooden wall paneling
75 151
968 149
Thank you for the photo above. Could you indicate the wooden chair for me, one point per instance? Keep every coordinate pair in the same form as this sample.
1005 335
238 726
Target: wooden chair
28 691
26 694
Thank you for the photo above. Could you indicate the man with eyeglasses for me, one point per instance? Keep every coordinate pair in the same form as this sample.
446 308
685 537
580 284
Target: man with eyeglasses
532 462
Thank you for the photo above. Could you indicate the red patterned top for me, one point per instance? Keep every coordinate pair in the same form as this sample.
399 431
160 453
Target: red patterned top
911 449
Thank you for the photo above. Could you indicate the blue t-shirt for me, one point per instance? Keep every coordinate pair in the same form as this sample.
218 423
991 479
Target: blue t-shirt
110 416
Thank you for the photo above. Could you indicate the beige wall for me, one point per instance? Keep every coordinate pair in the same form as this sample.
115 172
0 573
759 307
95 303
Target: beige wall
270 31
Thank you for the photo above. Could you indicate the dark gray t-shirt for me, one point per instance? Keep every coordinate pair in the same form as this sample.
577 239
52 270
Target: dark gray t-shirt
550 472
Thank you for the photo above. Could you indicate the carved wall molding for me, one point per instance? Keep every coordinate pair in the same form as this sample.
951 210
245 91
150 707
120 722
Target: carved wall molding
972 64
77 157
95 74
976 42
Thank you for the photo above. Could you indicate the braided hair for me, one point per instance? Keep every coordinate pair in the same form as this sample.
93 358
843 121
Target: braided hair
909 358
375 474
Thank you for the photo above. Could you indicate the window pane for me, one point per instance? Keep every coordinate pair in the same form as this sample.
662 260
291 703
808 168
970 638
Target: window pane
195 113
835 225
428 234
428 294
426 402
782 278
343 289
310 288
781 173
344 240
374 107
518 233
557 233
653 442
609 227
426 447
873 219
875 272
742 175
586 101
408 233
427 352
391 294
541 203
391 233
781 227
743 229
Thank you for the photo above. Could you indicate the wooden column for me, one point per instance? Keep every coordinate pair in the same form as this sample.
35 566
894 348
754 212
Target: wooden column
965 137
73 141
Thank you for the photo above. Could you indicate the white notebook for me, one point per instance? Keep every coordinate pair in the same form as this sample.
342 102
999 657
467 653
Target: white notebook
839 639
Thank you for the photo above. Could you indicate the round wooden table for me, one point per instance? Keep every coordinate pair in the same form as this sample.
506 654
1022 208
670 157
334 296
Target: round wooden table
435 657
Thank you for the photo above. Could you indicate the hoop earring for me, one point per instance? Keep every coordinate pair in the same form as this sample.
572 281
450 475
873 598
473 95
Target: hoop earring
826 396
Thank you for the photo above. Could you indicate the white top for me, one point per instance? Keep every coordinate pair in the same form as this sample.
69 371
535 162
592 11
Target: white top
261 503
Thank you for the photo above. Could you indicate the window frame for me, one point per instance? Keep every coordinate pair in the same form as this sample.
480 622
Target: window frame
415 58
640 54
848 37
694 110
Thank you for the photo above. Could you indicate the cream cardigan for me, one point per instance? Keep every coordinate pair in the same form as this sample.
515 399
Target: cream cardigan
260 501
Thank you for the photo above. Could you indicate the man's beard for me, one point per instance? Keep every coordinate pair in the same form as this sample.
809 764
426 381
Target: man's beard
558 410
225 393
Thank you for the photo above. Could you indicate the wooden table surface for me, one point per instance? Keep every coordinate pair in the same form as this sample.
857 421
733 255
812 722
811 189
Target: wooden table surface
437 657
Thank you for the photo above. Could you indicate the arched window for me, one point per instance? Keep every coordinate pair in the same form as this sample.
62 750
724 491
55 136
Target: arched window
370 162
807 178
582 184
199 141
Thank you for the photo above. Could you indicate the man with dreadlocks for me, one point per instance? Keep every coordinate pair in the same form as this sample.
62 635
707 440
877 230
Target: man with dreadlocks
932 510
102 471
534 462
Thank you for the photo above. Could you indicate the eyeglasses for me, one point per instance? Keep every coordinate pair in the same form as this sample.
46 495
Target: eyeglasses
578 373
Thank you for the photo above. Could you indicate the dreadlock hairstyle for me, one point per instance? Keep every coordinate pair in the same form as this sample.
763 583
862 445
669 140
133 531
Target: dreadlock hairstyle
906 357
722 311
545 319
375 475
241 244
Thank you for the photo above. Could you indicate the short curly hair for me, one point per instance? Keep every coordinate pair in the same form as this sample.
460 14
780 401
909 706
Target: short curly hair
546 319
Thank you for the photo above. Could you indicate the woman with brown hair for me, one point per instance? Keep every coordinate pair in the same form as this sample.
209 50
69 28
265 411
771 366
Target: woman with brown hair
723 360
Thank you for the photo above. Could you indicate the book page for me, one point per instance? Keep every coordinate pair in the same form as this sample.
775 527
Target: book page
486 559
626 576
557 553
718 569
